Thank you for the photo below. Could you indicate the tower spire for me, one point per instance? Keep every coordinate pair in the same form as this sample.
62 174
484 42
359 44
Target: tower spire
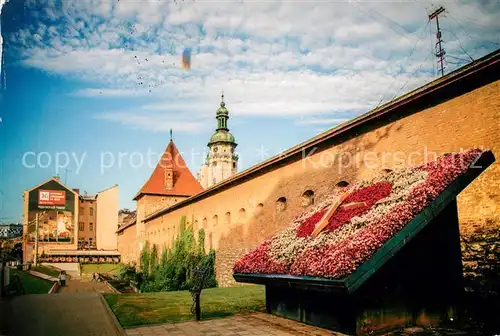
170 134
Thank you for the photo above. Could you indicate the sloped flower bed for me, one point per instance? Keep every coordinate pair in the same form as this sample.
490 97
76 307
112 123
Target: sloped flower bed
383 206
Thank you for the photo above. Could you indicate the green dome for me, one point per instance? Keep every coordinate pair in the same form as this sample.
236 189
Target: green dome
222 109
221 136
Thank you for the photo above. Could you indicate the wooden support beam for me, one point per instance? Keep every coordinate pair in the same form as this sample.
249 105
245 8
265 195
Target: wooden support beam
326 217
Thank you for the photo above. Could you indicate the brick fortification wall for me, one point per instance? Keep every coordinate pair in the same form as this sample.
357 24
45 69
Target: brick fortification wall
239 217
127 245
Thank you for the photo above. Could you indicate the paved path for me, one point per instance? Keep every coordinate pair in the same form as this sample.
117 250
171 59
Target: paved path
256 324
43 276
60 315
79 286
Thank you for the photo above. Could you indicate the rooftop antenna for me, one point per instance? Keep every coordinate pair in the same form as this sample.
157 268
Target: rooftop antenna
66 170
439 44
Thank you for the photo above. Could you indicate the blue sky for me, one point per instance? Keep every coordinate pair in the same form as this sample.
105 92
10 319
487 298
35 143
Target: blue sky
72 74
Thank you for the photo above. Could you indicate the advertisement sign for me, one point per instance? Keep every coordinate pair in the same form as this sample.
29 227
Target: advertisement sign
55 206
51 197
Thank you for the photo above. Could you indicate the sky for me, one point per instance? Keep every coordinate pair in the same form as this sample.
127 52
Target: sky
91 88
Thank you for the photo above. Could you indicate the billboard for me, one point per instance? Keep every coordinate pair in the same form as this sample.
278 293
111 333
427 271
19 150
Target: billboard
54 226
55 206
51 198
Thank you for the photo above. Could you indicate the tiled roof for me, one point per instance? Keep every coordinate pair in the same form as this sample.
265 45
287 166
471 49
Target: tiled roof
184 183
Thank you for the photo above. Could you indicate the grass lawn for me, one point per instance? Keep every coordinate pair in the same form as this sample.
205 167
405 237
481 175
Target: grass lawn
100 268
46 270
149 308
31 284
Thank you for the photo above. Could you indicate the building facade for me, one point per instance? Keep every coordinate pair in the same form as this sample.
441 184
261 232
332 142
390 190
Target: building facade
87 221
70 225
107 219
221 162
458 111
170 183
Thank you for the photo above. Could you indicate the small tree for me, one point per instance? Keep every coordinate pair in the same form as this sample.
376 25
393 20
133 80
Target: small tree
145 259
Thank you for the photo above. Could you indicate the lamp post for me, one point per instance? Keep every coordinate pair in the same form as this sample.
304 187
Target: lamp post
36 239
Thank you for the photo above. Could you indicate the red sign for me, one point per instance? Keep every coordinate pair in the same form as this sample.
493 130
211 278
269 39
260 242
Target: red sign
51 197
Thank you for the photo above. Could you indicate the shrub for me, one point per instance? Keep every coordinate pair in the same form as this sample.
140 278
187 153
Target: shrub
173 269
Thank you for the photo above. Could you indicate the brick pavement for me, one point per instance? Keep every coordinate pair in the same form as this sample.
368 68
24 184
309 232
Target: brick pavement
255 324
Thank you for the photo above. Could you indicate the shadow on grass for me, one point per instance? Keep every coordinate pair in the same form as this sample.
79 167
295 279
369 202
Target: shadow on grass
166 307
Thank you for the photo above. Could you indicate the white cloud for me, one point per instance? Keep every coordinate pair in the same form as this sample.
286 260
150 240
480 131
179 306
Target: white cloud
321 121
153 122
315 60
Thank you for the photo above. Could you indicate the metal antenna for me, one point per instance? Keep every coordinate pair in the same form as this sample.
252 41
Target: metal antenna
439 44
66 170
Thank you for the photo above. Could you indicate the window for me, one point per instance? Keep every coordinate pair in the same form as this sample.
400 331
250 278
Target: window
307 198
234 164
215 220
216 149
81 210
258 209
204 221
81 226
92 211
228 218
91 226
281 204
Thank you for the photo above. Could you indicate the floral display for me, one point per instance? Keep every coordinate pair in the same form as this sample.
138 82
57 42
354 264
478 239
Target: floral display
371 213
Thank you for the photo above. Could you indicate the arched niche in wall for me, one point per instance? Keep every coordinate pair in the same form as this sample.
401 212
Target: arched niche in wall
204 222
307 198
242 214
227 218
259 209
195 226
215 220
386 171
342 184
281 204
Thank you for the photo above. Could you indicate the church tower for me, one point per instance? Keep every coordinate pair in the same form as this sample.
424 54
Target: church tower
221 161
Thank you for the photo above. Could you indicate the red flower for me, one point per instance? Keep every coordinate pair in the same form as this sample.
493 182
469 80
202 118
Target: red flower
342 249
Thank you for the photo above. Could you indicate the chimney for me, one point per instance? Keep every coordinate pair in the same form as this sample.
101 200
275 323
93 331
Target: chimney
169 178
76 190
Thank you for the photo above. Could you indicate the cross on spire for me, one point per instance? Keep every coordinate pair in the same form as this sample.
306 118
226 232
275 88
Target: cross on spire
222 95
170 134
